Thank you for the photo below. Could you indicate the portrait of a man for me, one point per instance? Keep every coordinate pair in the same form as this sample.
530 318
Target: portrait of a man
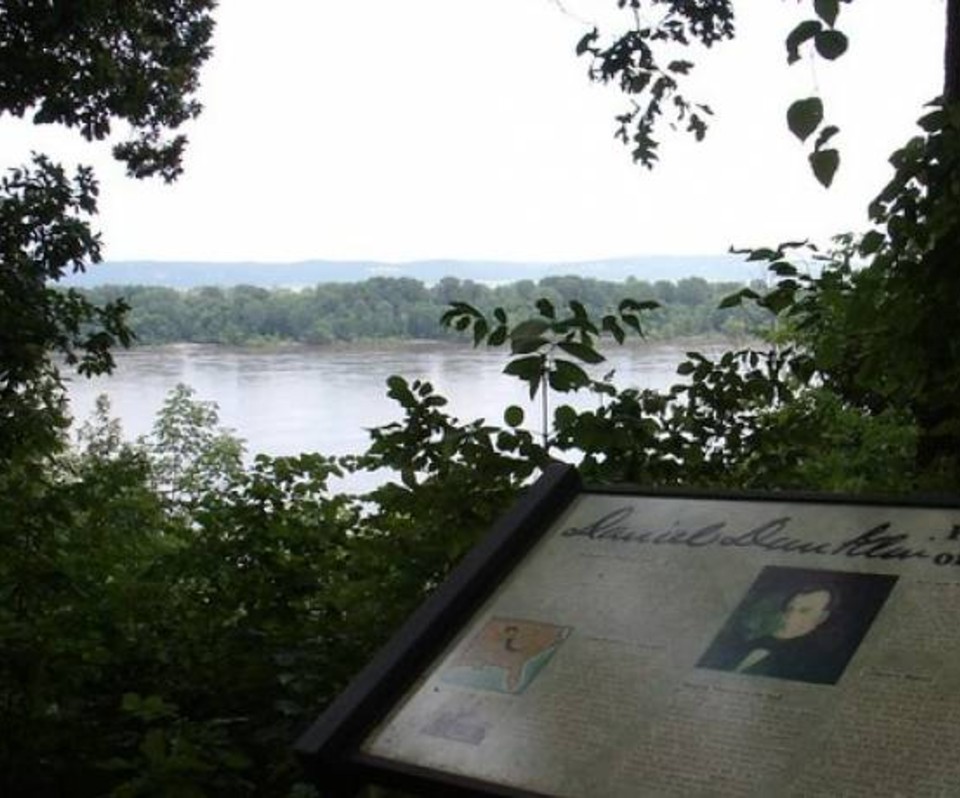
798 623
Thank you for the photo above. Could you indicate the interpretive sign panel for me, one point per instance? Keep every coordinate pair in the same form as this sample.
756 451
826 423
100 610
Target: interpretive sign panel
690 645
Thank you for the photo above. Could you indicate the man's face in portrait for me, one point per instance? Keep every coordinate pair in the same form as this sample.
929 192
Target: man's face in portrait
803 613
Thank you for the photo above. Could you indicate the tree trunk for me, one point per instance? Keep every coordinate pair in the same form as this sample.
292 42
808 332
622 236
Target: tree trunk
937 413
951 54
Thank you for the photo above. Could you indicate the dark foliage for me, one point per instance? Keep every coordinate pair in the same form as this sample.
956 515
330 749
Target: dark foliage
44 234
87 64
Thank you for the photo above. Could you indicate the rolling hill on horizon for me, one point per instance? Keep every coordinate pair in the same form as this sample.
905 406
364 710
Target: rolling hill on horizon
191 274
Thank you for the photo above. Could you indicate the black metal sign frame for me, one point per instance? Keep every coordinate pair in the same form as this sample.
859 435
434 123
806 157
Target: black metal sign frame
330 747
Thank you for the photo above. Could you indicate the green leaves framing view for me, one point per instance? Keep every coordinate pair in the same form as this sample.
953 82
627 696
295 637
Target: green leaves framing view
172 617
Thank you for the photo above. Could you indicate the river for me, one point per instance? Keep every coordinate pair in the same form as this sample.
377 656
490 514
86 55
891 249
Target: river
292 400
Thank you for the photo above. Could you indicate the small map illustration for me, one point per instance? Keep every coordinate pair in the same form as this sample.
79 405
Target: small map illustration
505 655
460 722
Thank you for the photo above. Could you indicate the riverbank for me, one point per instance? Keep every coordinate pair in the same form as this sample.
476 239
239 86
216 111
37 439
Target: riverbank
402 344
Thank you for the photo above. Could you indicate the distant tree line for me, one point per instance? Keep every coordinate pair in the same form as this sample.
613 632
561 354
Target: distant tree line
387 307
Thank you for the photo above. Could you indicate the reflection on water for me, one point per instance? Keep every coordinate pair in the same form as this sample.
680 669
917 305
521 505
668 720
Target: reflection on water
320 399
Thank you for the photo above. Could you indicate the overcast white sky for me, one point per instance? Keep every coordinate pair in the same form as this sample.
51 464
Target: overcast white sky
412 129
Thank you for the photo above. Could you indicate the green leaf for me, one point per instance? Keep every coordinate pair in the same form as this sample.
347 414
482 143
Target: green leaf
583 352
825 135
782 297
465 308
783 268
588 39
632 320
933 121
116 763
578 309
154 746
637 305
526 368
530 328
831 44
564 417
804 116
523 346
480 329
611 325
804 31
398 390
235 760
513 416
545 308
827 10
735 300
498 336
500 315
566 376
762 253
825 163
871 243
506 442
131 702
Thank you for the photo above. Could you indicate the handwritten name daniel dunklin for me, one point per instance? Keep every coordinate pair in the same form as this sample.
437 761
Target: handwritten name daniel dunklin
877 542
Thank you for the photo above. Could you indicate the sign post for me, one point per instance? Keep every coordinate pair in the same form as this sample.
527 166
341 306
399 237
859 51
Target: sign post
628 643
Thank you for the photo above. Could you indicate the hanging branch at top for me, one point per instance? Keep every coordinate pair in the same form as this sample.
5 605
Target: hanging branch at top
636 61
86 65
633 61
